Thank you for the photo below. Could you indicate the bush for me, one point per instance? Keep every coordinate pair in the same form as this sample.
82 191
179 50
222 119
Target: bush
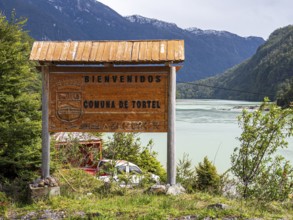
208 179
185 175
204 177
75 182
127 146
275 181
264 132
3 203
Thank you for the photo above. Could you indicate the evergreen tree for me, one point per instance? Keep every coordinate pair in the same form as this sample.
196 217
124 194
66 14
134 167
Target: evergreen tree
285 94
20 116
208 178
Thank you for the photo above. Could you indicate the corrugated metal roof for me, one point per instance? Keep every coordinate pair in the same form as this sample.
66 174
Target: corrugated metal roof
125 52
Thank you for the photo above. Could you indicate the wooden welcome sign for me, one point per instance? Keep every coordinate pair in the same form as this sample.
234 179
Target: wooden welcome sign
109 86
108 99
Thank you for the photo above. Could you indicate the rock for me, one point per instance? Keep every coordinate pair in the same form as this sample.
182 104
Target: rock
189 217
175 190
52 181
157 189
41 183
218 206
48 182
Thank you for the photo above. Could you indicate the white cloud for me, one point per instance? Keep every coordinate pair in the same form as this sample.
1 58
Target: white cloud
242 17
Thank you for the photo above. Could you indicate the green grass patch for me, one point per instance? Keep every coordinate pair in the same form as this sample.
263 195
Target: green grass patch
81 193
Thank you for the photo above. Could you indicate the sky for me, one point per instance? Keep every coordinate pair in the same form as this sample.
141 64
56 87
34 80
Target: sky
242 17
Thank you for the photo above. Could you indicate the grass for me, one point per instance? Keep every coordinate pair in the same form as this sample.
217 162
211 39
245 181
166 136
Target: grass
81 193
136 205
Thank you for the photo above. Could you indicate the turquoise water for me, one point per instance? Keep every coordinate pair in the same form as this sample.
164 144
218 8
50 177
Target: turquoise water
206 128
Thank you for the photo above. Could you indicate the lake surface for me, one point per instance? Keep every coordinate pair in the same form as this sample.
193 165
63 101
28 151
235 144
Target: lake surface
206 128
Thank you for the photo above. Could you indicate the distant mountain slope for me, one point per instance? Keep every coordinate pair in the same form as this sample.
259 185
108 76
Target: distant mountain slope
259 76
207 52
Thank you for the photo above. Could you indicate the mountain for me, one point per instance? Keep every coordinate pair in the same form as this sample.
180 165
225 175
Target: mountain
207 52
265 74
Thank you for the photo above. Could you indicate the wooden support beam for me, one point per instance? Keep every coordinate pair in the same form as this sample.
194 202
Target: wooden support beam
171 151
45 123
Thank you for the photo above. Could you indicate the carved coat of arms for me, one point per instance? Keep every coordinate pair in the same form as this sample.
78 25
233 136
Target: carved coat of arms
69 106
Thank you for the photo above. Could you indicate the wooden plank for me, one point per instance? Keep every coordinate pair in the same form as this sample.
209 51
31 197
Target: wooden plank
176 50
127 51
79 52
81 69
142 51
50 52
120 51
57 51
155 51
149 51
163 51
64 52
113 51
34 50
44 50
86 51
95 47
170 50
39 50
135 52
181 50
106 53
100 51
72 51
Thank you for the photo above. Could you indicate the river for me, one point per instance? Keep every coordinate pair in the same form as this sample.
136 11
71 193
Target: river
206 128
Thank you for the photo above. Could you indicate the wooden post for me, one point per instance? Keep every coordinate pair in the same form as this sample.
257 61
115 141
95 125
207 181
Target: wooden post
45 123
171 161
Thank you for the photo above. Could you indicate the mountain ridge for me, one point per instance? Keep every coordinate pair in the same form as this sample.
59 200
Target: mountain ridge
206 55
262 75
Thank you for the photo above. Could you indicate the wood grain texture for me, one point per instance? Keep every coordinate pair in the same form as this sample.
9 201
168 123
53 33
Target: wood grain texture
124 52
108 99
79 52
50 52
65 50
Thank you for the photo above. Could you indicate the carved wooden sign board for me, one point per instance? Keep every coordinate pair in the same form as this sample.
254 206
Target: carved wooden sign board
120 99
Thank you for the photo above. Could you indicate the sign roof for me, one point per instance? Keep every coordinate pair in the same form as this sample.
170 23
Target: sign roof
100 52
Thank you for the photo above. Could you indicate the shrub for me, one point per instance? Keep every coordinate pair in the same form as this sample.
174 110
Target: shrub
127 146
185 175
264 132
208 179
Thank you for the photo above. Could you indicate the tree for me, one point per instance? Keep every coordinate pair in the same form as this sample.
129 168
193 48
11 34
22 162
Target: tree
208 178
20 117
123 146
127 146
264 131
285 93
185 174
275 181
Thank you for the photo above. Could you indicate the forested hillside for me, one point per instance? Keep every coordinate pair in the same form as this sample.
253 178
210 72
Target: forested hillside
264 74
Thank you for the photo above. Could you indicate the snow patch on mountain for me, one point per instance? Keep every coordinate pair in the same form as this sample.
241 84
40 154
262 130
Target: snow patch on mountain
58 8
143 20
198 31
